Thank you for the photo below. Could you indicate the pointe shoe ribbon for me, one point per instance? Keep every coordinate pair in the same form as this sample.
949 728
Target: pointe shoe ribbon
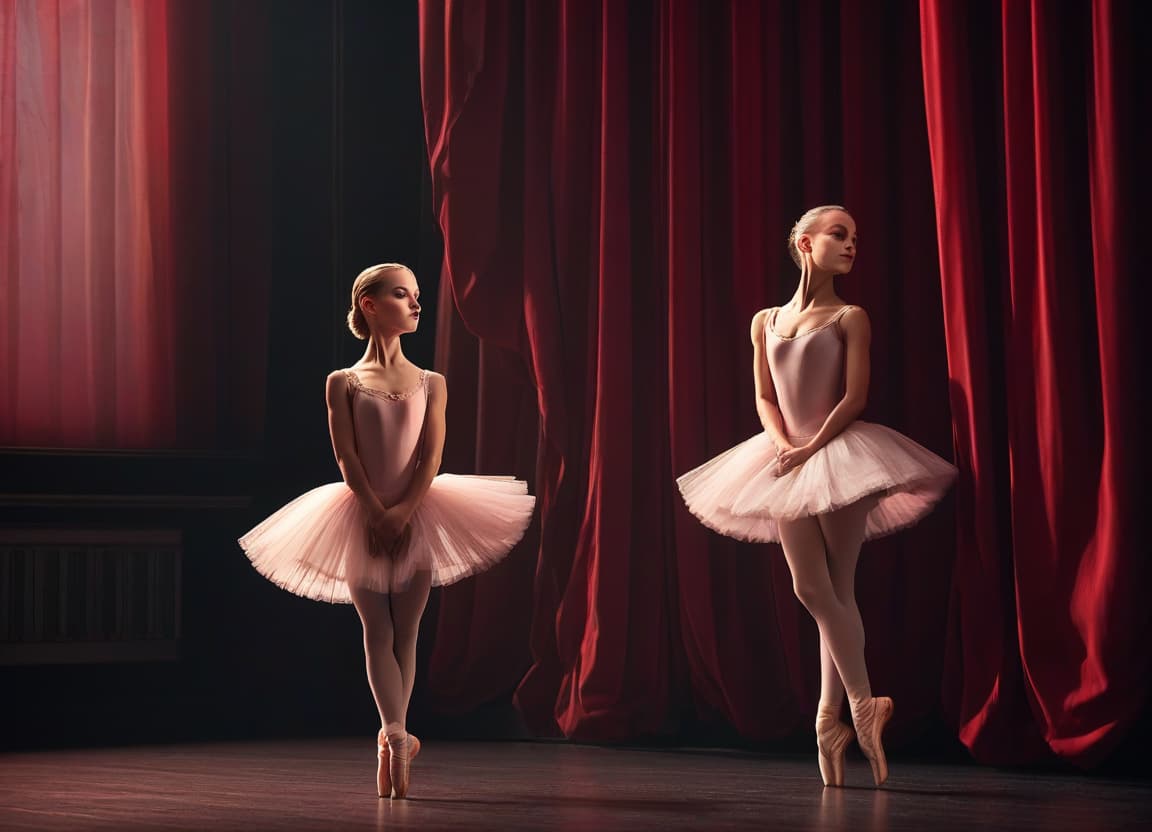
401 751
383 773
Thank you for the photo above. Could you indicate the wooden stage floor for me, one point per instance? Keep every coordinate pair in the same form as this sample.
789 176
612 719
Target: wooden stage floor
329 784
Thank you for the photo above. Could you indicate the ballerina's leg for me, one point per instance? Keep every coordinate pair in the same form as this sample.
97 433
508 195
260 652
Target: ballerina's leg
405 606
843 533
806 553
407 609
384 675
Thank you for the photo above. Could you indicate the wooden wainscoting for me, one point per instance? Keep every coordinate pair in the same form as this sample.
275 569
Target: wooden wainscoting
89 595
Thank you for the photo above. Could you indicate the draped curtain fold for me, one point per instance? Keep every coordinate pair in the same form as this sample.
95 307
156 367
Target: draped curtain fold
615 182
627 173
1034 163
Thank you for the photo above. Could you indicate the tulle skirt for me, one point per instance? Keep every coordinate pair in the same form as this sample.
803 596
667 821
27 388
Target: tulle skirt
316 545
741 494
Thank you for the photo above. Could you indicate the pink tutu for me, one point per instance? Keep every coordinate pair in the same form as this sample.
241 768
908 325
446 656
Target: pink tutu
740 493
317 545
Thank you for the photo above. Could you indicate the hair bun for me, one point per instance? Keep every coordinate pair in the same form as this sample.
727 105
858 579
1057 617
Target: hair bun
357 324
365 284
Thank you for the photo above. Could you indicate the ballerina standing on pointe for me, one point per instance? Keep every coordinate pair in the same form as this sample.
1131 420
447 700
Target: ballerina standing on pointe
393 528
818 480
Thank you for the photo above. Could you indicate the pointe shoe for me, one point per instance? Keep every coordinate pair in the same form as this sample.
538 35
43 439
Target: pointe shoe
870 717
832 738
384 759
399 759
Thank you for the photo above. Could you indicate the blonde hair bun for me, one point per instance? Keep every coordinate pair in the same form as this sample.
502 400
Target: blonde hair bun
366 283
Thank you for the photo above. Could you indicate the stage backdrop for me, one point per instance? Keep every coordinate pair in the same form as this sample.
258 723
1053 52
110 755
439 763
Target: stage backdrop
187 191
615 183
116 244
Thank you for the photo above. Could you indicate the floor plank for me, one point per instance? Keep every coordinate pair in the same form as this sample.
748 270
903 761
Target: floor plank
329 784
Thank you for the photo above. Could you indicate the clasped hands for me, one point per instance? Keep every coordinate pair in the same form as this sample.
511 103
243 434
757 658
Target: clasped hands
789 457
389 530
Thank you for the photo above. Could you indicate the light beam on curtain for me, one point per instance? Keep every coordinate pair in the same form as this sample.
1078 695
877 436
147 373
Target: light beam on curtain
86 298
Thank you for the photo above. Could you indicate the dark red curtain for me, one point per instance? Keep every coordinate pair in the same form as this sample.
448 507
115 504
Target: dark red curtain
615 182
1032 115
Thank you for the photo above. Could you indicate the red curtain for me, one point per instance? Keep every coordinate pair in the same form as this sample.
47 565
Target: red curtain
492 410
615 182
120 325
85 225
1035 160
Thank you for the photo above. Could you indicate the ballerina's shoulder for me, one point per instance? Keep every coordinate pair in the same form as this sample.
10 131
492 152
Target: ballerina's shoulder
759 321
852 319
338 381
854 322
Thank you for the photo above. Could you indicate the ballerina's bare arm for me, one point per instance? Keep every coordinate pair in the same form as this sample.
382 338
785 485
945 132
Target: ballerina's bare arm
857 338
433 447
344 443
767 406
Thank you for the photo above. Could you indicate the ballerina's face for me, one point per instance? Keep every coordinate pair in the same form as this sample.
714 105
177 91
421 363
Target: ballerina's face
395 305
831 241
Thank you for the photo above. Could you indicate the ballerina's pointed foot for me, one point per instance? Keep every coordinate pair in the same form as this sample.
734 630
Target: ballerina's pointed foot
870 717
384 760
399 759
383 777
832 738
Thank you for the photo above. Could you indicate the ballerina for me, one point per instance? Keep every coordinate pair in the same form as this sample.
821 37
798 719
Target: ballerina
393 528
818 480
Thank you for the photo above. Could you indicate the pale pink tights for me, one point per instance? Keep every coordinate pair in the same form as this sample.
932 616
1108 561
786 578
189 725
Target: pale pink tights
822 552
391 624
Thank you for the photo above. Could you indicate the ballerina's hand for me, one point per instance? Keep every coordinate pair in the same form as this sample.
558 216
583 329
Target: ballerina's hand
794 458
400 545
781 446
388 531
